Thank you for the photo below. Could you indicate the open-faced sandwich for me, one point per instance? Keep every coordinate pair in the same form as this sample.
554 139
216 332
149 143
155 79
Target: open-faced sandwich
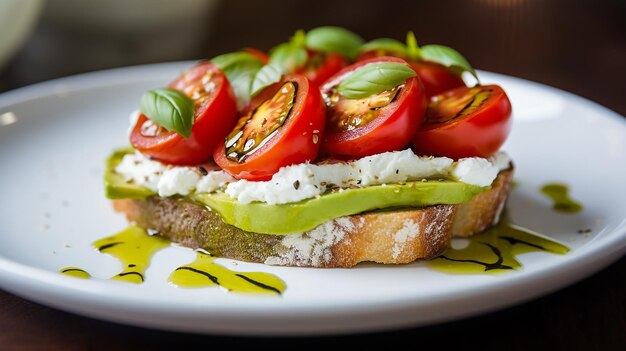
327 153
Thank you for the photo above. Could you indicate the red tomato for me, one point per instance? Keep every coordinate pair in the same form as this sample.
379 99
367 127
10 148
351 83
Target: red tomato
465 122
258 53
216 112
435 77
283 125
380 123
321 66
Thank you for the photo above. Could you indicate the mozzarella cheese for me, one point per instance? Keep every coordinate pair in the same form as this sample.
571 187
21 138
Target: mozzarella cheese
303 181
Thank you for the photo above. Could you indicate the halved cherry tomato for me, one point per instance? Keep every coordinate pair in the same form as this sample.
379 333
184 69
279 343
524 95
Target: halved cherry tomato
216 113
435 77
281 126
465 122
321 66
379 123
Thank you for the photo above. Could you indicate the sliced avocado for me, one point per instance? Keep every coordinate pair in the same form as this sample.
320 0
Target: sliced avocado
115 186
259 217
297 217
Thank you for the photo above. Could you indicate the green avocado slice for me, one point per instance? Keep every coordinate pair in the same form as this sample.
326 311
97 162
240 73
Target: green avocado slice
301 216
115 186
259 217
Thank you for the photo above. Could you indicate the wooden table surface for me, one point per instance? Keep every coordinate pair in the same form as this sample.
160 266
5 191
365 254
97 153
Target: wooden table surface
578 46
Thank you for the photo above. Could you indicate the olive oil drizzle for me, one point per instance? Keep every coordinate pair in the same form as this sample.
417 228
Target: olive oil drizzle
259 284
75 272
204 272
488 266
495 250
134 248
559 193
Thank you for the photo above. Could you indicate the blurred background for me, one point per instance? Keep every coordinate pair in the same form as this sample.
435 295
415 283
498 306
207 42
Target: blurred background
578 46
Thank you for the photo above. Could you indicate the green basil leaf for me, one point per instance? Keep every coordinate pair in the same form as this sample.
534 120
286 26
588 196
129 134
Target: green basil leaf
387 45
412 49
239 67
289 56
234 58
374 78
334 39
267 75
448 57
299 38
240 77
169 108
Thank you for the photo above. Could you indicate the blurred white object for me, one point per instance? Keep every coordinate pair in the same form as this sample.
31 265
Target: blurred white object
17 20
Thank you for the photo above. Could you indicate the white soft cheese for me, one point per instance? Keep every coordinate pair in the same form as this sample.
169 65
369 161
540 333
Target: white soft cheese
168 180
140 170
298 182
178 180
303 181
213 181
474 170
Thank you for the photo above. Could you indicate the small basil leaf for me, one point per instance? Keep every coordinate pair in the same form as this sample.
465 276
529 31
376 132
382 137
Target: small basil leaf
387 45
412 49
334 39
240 77
374 78
169 108
299 38
448 57
267 75
234 58
239 67
288 56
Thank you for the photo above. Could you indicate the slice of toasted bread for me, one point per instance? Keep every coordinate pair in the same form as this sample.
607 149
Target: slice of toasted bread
395 236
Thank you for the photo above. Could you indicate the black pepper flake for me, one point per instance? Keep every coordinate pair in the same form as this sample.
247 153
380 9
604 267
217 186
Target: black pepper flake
584 231
296 184
203 170
358 181
397 171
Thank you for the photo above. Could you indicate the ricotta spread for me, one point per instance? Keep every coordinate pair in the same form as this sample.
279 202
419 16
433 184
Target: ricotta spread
303 181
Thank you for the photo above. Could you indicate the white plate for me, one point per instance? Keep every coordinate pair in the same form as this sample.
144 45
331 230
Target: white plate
53 208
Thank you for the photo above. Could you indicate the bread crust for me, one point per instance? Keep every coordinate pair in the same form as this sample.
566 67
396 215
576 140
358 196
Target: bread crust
484 209
389 237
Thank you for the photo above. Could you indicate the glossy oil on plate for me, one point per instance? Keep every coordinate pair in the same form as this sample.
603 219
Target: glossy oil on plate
55 136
